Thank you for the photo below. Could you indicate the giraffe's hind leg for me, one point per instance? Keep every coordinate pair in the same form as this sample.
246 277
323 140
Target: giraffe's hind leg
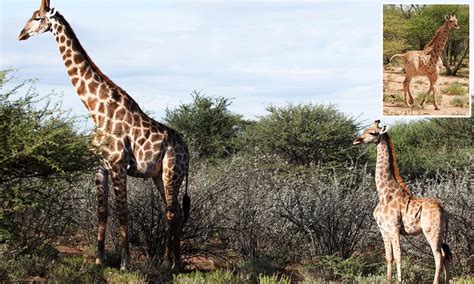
169 191
432 231
388 255
102 190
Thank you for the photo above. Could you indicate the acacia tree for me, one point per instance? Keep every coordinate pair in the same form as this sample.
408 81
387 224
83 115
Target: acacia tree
208 126
304 135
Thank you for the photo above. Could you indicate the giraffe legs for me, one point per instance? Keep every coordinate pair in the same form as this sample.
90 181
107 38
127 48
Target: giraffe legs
433 78
397 254
434 239
388 256
102 190
173 216
120 189
407 92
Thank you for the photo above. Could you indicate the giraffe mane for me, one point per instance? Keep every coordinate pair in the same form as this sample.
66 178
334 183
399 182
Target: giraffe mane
436 36
394 166
83 51
95 68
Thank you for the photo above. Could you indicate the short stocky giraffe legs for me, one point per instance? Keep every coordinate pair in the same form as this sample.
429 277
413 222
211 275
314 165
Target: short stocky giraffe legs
388 255
102 187
119 183
407 92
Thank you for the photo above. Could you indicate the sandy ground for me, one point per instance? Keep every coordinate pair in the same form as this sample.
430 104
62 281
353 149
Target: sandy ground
394 105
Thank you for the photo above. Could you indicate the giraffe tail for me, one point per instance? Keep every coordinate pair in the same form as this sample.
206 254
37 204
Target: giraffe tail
447 252
186 202
396 55
444 246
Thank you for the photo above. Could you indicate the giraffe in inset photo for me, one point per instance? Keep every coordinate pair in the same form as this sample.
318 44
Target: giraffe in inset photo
128 141
426 62
399 212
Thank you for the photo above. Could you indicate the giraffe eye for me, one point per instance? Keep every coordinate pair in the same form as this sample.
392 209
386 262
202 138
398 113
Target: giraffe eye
373 133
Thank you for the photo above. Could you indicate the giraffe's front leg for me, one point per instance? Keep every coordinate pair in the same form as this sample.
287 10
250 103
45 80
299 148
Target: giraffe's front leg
102 190
397 253
120 188
388 255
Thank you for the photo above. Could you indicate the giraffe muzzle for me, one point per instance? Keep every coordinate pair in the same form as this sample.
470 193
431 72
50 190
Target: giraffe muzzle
357 141
23 35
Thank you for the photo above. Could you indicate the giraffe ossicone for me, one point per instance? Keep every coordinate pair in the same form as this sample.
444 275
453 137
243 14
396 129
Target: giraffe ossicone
426 62
399 212
129 142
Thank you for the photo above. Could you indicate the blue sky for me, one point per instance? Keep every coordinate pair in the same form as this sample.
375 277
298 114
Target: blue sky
258 53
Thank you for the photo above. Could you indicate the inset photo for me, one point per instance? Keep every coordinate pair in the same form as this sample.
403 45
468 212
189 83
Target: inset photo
426 60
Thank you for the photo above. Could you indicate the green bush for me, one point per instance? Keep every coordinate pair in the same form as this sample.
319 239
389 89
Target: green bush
41 157
304 135
459 102
454 89
208 127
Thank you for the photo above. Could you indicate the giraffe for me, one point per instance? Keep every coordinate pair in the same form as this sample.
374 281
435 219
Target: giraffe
127 140
426 62
400 212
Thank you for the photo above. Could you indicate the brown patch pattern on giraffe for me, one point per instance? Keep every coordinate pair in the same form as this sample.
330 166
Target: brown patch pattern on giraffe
129 141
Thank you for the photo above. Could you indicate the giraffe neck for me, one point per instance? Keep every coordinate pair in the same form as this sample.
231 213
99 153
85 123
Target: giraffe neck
387 170
438 42
96 90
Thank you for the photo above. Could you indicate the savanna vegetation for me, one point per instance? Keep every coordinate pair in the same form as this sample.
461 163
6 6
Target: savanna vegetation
279 199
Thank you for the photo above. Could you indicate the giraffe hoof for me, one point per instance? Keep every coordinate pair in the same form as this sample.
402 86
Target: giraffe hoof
166 264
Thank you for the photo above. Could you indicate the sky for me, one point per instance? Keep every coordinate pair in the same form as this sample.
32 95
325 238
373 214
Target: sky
256 53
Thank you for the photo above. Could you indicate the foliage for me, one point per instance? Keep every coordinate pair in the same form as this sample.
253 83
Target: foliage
395 31
334 268
304 135
455 89
41 156
207 125
459 102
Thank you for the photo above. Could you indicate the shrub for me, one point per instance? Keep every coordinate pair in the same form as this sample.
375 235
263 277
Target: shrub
208 127
42 155
459 102
454 89
304 135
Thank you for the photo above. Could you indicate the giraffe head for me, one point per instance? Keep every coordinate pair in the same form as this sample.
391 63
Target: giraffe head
452 22
40 22
373 134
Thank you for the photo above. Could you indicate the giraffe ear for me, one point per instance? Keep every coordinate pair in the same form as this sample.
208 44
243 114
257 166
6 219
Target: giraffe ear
446 18
384 129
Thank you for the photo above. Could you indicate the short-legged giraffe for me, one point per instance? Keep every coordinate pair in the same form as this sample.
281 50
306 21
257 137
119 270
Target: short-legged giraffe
129 142
399 212
426 62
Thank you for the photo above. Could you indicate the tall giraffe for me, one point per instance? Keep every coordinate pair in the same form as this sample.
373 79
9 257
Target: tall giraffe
400 212
128 141
426 62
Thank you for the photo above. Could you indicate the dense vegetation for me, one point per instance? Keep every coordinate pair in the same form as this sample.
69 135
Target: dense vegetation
287 192
411 27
